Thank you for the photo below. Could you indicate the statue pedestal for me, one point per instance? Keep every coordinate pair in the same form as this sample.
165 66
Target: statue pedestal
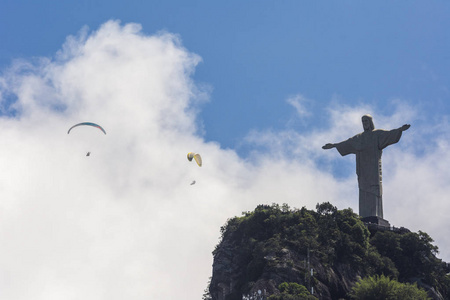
376 220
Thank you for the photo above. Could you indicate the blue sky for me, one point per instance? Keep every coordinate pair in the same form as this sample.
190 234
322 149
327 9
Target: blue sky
256 54
255 87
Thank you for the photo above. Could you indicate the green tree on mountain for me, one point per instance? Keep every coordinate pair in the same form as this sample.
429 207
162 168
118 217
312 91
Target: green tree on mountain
383 288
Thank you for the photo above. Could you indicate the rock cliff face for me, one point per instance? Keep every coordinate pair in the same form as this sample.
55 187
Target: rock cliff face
285 266
326 251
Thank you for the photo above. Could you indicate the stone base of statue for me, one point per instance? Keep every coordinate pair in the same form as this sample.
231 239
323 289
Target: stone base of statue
376 221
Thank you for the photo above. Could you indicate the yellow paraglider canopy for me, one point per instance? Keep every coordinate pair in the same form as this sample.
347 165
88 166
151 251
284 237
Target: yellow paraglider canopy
196 156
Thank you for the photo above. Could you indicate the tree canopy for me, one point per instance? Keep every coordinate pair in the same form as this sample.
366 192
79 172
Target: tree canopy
383 288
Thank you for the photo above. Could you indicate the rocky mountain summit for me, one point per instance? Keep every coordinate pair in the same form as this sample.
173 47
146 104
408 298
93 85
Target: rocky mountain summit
323 253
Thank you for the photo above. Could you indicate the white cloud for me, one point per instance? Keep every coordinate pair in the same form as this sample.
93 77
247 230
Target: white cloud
125 223
299 102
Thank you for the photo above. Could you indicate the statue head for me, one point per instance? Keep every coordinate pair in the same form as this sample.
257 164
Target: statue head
367 122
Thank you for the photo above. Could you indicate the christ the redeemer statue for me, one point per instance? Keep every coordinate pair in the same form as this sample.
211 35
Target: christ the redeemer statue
368 147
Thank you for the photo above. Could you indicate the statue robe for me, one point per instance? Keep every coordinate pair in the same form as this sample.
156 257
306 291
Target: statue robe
368 147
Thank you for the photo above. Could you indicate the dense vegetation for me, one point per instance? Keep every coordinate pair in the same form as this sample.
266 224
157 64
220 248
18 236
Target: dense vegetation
332 237
384 288
292 291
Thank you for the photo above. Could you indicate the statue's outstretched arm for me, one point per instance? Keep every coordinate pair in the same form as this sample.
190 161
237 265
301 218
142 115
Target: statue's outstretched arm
405 127
328 146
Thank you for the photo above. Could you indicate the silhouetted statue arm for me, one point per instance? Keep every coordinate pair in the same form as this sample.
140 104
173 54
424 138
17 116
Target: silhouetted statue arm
334 145
329 146
405 127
